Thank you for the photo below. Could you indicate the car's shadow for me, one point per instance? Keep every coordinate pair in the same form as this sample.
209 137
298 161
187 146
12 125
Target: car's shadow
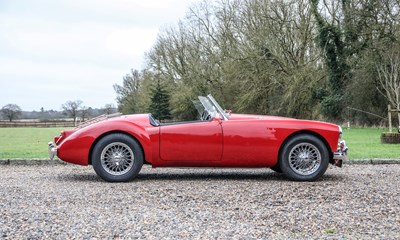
196 176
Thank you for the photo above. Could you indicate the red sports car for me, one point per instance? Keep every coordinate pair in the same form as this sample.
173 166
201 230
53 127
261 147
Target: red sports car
118 146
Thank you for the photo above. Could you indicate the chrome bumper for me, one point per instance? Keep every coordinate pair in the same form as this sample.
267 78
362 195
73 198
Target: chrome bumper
52 150
341 154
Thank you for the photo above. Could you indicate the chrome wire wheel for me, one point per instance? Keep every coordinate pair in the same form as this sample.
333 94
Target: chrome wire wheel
304 159
117 158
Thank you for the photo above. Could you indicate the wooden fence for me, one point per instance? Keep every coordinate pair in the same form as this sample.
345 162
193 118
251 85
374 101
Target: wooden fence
390 117
13 124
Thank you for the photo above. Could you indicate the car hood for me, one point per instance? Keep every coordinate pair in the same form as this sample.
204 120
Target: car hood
140 119
102 121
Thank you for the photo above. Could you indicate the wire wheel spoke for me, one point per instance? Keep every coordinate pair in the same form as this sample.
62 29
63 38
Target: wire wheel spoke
117 158
304 159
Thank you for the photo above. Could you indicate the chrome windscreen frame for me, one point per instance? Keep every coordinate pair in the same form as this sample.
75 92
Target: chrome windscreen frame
218 107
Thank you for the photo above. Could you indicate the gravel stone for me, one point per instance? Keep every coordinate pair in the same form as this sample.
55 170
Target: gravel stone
67 201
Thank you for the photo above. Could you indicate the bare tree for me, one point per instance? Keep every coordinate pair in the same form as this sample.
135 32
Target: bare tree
72 108
133 94
109 108
269 57
127 92
389 78
85 112
259 56
11 111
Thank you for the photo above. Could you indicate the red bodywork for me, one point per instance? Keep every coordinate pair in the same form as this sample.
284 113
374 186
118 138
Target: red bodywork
241 141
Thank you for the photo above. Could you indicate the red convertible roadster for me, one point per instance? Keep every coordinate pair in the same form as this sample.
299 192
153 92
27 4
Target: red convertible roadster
118 146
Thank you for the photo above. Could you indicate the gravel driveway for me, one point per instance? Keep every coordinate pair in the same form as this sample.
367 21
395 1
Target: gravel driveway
67 201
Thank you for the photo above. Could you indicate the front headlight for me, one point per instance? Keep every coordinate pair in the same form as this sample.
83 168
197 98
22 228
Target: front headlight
340 132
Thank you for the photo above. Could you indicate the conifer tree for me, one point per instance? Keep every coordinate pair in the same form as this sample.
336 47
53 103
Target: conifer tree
159 105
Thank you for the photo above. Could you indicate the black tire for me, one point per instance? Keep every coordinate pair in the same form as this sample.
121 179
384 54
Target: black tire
117 158
277 168
304 157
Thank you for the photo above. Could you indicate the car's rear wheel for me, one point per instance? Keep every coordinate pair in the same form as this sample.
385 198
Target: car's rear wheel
117 158
304 158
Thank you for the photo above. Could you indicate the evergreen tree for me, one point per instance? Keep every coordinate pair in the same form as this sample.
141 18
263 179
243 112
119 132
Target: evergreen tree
159 105
332 43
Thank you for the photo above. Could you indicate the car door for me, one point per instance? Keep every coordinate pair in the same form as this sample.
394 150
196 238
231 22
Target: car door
191 141
249 143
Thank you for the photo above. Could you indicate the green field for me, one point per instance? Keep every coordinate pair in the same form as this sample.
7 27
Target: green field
26 142
364 143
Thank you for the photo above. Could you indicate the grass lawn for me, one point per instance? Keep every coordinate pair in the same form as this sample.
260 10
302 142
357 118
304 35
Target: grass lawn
26 142
364 143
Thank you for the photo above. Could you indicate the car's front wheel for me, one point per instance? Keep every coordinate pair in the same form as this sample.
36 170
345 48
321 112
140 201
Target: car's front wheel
304 158
276 168
117 158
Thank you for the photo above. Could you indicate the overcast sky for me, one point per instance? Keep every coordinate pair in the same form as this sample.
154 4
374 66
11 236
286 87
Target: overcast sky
52 51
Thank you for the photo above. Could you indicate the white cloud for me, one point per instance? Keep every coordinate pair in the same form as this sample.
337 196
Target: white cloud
59 50
107 43
61 82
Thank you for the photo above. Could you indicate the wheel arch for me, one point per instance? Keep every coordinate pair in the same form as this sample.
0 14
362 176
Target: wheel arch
113 132
315 134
